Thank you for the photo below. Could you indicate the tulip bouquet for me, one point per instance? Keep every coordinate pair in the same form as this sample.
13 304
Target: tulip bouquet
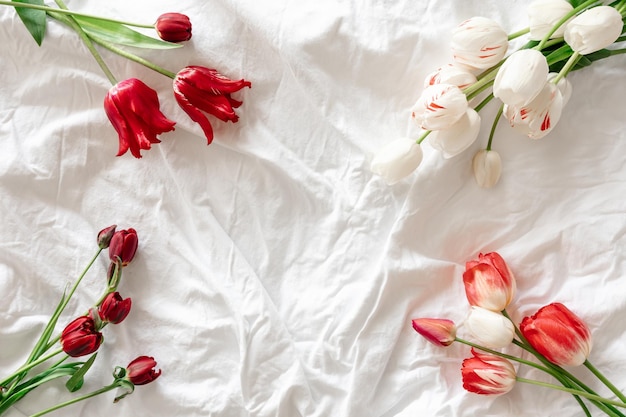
531 83
554 336
83 336
132 106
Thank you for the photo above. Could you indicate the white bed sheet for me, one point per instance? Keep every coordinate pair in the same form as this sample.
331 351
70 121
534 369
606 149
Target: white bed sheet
276 276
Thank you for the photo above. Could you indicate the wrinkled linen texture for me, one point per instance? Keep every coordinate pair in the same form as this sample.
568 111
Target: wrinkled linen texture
276 276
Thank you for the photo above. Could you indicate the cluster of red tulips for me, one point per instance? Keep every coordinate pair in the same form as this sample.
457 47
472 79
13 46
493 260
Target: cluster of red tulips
83 336
554 338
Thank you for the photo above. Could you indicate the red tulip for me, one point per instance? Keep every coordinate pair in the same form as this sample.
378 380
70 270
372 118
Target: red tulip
558 334
489 283
114 309
441 332
173 27
141 370
133 109
80 337
487 374
123 245
199 89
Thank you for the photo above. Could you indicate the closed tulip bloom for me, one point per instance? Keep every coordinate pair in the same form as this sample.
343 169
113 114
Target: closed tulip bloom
487 166
451 74
105 235
441 332
123 245
594 29
489 328
141 370
81 337
479 43
489 283
537 118
558 334
487 374
200 90
439 107
544 14
114 308
397 160
458 137
521 78
173 27
133 109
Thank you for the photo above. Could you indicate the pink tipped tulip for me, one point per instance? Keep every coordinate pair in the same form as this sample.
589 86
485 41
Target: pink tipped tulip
440 332
487 374
558 334
479 43
489 283
439 107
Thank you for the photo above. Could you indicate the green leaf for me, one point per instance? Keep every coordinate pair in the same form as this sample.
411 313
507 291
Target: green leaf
119 34
76 381
34 20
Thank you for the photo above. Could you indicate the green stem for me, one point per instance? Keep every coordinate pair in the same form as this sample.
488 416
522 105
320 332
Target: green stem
483 103
493 127
519 33
423 136
133 57
77 399
605 381
28 366
573 391
617 51
71 13
504 355
567 67
564 19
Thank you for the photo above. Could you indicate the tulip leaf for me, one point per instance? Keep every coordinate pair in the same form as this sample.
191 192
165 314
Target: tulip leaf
76 381
117 33
34 20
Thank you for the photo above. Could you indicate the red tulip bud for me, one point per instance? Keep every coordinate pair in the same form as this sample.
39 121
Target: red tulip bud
173 27
123 245
80 337
141 370
114 309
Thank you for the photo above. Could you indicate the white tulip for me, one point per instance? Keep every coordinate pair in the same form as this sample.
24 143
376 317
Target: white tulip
490 329
479 43
521 78
458 137
540 116
397 160
487 167
594 29
451 74
439 106
564 86
544 14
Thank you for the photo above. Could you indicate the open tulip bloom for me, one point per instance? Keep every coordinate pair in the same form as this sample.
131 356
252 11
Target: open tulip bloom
550 340
530 82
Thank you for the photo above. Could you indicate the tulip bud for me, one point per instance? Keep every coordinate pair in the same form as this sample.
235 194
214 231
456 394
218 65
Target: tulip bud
521 78
594 29
479 43
543 15
141 370
105 235
558 334
114 309
439 107
487 167
487 374
489 283
123 245
458 137
397 160
441 332
81 337
173 27
537 118
451 74
489 328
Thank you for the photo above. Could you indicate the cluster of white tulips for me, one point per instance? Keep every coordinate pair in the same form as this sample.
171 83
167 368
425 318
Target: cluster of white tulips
532 92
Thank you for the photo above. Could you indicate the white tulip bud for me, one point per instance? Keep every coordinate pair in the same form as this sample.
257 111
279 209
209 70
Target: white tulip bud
397 160
544 14
479 43
487 167
439 106
594 29
458 137
521 77
490 329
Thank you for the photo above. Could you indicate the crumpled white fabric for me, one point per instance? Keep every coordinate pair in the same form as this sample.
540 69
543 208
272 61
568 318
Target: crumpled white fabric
276 276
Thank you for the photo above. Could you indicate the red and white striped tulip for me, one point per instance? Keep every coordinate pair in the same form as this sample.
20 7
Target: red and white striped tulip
487 374
479 43
489 282
439 107
451 74
537 118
